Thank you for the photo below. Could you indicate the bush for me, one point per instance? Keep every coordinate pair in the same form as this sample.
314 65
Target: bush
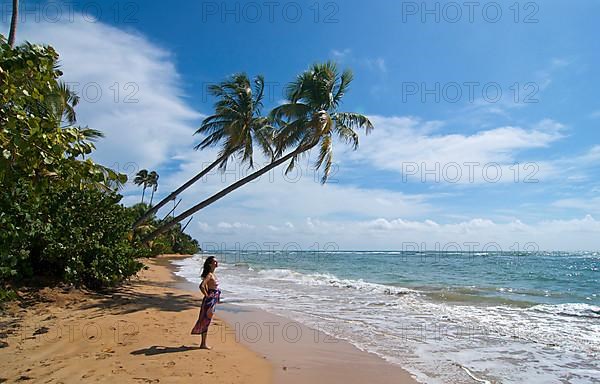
172 241
60 216
66 234
7 295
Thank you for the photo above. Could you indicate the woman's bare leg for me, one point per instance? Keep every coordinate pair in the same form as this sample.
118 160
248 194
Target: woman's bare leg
203 344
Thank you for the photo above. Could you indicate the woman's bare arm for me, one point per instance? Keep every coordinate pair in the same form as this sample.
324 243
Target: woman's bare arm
202 287
209 282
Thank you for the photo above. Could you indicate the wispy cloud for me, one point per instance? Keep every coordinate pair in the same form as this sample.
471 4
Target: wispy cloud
341 55
377 64
402 143
477 234
590 205
499 101
154 126
347 56
545 76
129 89
595 114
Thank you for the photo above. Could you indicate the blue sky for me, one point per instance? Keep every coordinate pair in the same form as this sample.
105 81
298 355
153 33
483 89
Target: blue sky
429 84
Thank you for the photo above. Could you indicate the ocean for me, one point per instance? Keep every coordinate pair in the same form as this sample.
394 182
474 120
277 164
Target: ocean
503 317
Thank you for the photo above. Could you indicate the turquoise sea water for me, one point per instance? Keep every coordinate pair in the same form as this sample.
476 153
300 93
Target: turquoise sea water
503 317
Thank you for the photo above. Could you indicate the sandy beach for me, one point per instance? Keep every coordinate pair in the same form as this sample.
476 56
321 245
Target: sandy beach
140 333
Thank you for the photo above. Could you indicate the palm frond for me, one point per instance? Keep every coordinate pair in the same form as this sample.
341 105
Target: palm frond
342 88
90 133
354 120
348 135
236 123
325 156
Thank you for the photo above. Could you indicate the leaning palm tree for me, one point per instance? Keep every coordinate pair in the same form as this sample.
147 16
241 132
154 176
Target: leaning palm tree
236 126
153 182
141 178
310 119
12 34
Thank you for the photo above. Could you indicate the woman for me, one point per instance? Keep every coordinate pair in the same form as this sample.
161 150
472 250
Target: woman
209 287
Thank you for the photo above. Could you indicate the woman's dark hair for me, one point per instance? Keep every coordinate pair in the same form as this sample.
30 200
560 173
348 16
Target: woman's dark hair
206 268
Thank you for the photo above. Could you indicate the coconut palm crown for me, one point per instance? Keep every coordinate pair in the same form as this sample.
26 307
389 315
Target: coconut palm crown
311 117
237 123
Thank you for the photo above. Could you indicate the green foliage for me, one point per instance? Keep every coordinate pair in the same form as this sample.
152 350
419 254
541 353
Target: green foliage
60 217
311 117
147 179
7 295
34 145
65 234
174 241
180 242
237 123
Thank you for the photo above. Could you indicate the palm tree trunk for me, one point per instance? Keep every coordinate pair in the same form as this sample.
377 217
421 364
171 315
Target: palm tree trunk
174 194
143 193
13 23
186 225
152 197
175 205
223 193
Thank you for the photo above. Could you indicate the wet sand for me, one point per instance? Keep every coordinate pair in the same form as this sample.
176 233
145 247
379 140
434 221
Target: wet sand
299 354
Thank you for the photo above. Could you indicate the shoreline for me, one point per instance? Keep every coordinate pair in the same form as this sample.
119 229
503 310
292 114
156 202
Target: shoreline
136 333
140 333
298 354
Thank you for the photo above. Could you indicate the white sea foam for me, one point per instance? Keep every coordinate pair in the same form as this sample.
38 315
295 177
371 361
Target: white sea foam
570 309
432 339
326 279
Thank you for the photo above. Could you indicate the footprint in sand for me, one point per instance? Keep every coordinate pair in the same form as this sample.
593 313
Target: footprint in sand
146 380
119 370
103 355
89 374
41 331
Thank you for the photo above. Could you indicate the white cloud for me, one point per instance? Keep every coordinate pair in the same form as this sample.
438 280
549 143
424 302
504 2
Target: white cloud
129 89
407 146
158 128
589 205
377 64
297 195
341 55
545 76
491 102
347 56
478 234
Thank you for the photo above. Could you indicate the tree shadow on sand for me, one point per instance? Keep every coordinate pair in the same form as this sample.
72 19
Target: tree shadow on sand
129 301
159 350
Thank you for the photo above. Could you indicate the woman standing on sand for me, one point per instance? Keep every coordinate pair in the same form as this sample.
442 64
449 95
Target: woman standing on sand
209 287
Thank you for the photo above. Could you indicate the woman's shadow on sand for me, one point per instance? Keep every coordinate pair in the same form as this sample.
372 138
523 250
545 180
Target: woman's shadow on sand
159 350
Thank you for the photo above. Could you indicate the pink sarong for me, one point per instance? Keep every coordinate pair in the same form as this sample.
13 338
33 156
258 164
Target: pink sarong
206 311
